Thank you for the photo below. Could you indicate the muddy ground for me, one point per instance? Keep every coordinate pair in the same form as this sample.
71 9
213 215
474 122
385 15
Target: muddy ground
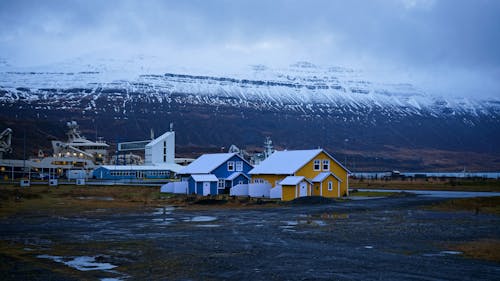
376 239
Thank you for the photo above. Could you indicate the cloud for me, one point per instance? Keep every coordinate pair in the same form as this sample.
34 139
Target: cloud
429 42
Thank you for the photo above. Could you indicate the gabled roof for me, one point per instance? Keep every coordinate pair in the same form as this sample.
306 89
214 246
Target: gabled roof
235 175
160 138
206 163
288 162
205 177
285 162
291 180
322 176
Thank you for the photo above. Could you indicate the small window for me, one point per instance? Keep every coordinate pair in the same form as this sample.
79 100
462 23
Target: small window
316 165
221 184
330 186
240 182
239 166
230 166
326 165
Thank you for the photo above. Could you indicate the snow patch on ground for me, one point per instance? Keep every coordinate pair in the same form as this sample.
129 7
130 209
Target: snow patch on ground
200 219
83 263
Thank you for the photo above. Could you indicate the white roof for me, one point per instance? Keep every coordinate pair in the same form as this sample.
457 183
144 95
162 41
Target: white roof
322 176
160 167
235 175
291 180
160 138
206 163
285 162
205 177
288 162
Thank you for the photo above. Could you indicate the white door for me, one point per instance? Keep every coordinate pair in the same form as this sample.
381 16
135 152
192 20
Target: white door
206 188
303 189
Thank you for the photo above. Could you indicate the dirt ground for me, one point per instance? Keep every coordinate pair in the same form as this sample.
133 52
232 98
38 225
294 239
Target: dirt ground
394 238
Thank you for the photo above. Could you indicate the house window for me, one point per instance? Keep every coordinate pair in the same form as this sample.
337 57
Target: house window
330 186
239 166
164 151
221 184
326 165
230 166
259 181
240 182
316 165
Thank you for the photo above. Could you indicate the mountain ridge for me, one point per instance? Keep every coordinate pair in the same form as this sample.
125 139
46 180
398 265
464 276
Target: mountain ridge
319 106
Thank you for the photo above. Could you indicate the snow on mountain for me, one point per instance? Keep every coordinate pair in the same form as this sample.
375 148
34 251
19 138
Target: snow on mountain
302 86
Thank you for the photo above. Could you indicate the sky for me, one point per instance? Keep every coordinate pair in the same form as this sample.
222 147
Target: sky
448 47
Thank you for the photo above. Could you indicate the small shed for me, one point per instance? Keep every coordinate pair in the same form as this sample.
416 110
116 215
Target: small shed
204 184
294 186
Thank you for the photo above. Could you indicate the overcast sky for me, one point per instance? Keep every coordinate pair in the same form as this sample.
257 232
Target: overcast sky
446 46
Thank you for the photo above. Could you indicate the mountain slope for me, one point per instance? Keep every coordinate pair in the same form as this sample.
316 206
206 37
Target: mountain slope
301 106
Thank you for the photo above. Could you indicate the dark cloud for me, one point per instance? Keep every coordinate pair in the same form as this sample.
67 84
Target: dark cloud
427 40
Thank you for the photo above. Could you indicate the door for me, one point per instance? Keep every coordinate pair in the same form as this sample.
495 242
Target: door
303 189
206 188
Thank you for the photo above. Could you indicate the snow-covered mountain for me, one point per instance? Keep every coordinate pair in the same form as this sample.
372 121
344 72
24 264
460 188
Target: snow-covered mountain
327 105
302 87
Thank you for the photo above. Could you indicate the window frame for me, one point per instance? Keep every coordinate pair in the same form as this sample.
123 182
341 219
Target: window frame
238 166
326 163
330 186
223 182
230 166
318 163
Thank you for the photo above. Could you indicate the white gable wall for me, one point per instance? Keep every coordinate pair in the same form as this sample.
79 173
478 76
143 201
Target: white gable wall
161 150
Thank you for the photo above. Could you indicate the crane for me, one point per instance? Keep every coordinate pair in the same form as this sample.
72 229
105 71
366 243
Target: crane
5 142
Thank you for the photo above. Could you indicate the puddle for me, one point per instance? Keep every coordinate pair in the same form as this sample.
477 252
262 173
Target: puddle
83 263
291 224
443 253
368 247
319 223
99 198
167 210
450 252
163 219
200 219
208 225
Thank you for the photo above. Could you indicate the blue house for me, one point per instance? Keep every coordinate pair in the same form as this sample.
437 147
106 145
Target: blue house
217 172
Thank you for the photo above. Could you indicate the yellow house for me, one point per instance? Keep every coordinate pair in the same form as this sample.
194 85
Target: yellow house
298 173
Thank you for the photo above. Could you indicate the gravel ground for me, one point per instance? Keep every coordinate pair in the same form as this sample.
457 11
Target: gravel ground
377 239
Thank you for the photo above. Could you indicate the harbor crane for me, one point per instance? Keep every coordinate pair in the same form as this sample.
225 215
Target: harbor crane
5 142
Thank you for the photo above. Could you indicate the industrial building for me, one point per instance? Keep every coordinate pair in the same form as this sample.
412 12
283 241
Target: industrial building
159 161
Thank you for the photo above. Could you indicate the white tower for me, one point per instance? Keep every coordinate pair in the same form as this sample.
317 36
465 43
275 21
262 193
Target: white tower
161 150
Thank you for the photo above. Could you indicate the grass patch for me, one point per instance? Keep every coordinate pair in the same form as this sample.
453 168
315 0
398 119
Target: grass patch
429 184
487 205
484 249
75 199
